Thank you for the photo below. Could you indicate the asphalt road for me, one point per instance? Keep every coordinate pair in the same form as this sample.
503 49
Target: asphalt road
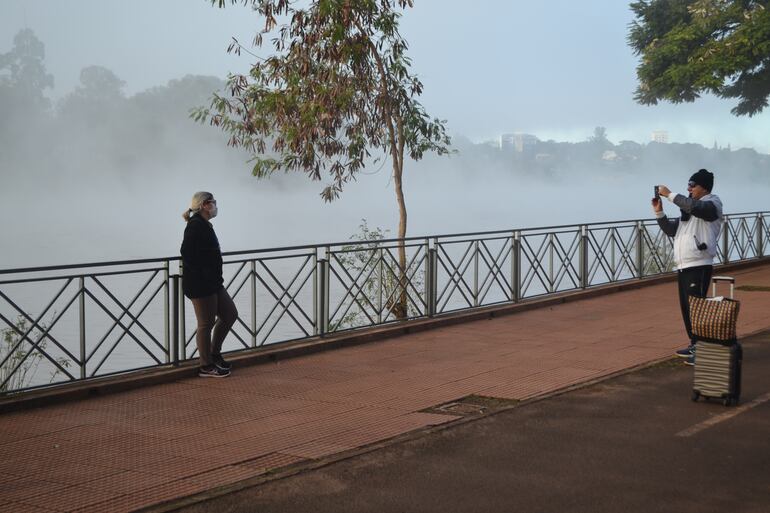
635 443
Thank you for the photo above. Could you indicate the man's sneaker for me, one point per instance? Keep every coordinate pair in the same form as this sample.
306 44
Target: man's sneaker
212 371
690 361
686 352
222 363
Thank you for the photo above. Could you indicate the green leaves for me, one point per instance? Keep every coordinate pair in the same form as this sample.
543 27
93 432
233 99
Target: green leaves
338 85
688 48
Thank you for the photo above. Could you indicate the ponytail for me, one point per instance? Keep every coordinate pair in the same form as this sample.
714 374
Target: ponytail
198 199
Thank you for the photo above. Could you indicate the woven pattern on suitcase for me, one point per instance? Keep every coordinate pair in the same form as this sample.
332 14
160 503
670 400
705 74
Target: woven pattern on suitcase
714 320
712 370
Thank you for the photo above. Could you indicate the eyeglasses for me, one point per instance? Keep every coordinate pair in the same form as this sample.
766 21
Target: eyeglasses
211 201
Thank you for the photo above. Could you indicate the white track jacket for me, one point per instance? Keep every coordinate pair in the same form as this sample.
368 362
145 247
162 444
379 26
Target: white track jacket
700 223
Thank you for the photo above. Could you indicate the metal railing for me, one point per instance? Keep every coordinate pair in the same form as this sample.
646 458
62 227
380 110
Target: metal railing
67 323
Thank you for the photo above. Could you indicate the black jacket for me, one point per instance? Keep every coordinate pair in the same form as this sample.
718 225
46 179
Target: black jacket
201 259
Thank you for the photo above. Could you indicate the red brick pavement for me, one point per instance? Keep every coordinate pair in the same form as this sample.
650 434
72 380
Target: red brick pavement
130 450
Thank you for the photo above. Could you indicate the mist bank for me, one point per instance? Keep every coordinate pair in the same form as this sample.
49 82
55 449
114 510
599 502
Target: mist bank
99 175
103 214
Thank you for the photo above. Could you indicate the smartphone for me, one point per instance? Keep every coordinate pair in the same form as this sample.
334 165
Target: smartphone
657 193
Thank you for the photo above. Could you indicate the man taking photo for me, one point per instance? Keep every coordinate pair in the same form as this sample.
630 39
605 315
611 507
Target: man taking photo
695 235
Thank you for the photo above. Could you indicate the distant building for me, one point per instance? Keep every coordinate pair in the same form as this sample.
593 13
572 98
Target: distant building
517 141
505 142
523 142
660 136
610 155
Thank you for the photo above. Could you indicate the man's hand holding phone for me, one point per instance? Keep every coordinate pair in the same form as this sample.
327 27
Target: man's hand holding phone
657 206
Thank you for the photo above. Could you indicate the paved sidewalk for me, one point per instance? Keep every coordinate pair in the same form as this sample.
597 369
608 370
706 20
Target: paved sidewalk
130 450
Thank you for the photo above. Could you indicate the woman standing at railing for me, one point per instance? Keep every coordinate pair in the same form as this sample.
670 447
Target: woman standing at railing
202 282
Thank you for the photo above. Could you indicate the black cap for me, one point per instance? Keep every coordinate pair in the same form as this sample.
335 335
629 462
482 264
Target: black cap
703 178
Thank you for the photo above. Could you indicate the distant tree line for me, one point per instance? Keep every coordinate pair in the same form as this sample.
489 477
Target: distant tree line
96 128
598 155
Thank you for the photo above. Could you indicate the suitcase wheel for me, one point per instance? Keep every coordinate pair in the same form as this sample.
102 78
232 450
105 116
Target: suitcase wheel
695 395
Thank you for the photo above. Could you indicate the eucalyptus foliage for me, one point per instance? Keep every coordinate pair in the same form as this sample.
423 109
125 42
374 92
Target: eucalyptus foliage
689 48
337 85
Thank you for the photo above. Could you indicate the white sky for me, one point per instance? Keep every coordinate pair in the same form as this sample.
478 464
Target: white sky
555 69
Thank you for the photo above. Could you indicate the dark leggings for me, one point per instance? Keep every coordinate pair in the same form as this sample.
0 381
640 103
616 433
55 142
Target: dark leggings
693 281
216 312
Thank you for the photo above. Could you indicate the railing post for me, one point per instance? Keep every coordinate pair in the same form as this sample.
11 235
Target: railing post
426 279
516 266
725 240
175 321
551 279
82 320
253 303
613 264
380 288
640 249
166 336
323 297
316 330
583 256
182 318
476 273
760 235
431 282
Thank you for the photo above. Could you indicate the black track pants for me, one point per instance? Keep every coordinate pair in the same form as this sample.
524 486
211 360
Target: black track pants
692 281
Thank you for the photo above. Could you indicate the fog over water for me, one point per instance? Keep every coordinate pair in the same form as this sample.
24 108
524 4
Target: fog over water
103 168
61 220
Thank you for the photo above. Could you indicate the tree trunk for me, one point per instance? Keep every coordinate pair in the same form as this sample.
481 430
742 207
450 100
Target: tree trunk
400 299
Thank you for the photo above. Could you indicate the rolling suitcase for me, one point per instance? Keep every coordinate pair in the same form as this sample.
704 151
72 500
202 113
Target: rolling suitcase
718 363
717 372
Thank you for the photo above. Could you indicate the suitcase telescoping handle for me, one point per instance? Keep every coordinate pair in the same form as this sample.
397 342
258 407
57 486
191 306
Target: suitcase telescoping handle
729 279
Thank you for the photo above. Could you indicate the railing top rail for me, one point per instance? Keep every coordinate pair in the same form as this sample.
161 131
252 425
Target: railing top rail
88 265
344 243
